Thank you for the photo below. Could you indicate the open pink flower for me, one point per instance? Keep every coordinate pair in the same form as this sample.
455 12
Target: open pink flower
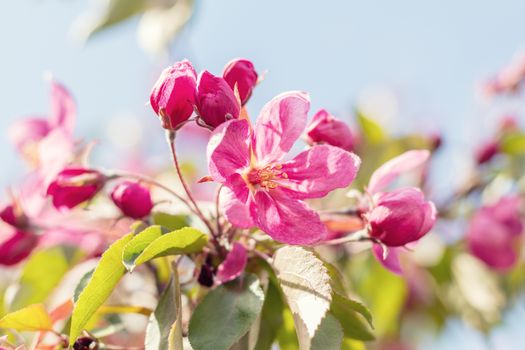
325 128
240 73
173 95
396 218
73 186
133 199
263 189
494 231
27 133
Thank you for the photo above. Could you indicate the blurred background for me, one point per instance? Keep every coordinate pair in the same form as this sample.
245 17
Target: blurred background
413 66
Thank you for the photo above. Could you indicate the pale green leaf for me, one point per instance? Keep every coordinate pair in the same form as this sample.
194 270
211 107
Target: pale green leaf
140 241
226 314
184 241
353 317
329 335
305 282
107 274
271 318
31 318
170 221
513 144
372 131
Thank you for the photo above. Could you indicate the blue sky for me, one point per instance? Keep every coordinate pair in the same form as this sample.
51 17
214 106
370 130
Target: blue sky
431 54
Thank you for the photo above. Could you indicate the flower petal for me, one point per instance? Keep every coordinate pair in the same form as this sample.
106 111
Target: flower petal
319 170
63 108
390 261
234 264
286 219
279 125
236 210
228 149
388 172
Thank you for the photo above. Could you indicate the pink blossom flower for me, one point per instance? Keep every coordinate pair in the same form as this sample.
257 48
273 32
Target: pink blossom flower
14 215
264 190
73 186
486 151
233 265
494 231
325 128
396 218
240 73
27 133
133 199
216 101
173 95
15 246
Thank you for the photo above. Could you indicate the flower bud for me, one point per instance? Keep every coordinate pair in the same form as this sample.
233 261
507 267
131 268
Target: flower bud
494 231
173 95
73 186
400 217
216 101
486 152
13 215
241 73
16 246
325 128
133 199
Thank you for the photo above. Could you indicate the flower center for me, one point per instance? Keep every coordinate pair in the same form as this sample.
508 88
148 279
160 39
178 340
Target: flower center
267 176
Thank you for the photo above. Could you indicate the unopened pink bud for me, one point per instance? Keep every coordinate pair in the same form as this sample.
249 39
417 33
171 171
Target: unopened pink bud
133 199
15 246
216 101
325 128
487 151
240 73
13 215
73 186
400 217
173 95
494 231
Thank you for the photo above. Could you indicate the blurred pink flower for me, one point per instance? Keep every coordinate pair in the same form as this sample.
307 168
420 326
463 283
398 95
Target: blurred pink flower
509 79
27 133
133 199
14 215
241 73
73 186
173 95
397 217
325 128
216 102
494 232
233 265
261 189
486 151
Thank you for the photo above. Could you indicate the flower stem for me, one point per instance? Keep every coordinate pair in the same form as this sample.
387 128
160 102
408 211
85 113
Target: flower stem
170 135
358 236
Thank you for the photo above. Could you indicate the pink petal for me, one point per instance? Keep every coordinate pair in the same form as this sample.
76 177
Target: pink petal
388 172
233 265
228 149
236 211
279 125
286 219
55 151
63 108
319 170
25 132
391 261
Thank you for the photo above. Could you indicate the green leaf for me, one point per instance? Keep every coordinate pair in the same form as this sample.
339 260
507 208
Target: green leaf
107 274
372 131
164 329
31 318
329 335
514 144
170 221
305 282
286 335
141 240
271 318
82 284
226 314
353 317
184 241
33 288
